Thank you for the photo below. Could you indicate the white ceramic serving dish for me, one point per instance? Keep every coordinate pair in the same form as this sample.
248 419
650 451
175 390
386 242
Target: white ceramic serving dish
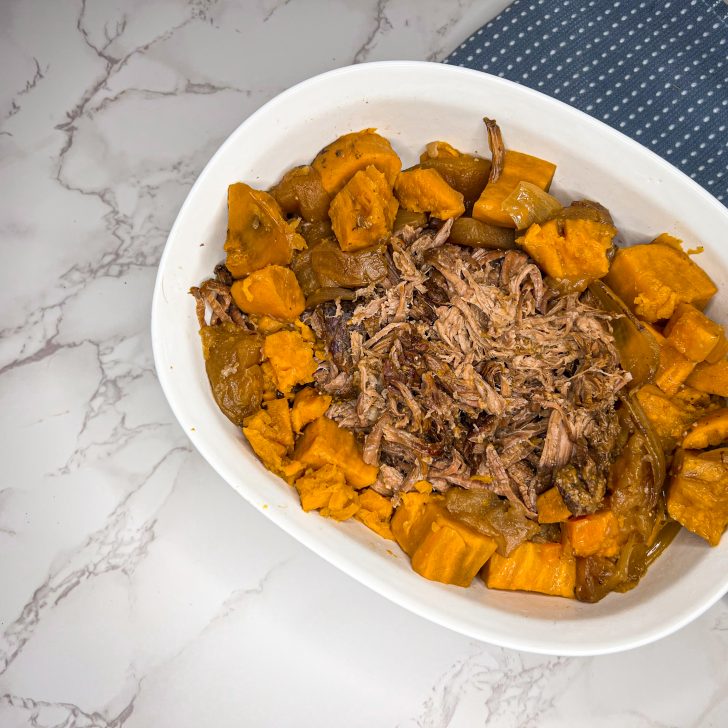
412 103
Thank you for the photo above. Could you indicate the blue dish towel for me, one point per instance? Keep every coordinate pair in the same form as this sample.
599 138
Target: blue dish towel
655 70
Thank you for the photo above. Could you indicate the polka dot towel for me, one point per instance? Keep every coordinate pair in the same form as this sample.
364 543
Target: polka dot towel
656 70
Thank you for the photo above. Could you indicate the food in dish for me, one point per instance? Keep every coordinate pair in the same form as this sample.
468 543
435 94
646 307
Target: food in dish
454 358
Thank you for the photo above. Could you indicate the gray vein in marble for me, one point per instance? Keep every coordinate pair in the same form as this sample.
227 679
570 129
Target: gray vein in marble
44 714
119 545
381 24
37 77
511 688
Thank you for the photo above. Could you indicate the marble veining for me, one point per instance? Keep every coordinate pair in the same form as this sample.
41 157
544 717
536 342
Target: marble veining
136 588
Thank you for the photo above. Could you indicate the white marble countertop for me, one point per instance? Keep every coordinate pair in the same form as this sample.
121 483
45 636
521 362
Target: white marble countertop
136 588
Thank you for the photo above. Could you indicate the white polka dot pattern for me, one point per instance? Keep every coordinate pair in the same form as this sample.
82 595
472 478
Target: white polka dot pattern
656 70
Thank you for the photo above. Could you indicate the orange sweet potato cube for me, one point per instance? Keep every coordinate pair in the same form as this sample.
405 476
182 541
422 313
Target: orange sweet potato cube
449 551
325 443
325 490
375 512
424 190
408 523
339 161
697 494
708 431
673 371
551 508
548 568
308 405
653 279
597 534
362 214
692 333
710 378
668 417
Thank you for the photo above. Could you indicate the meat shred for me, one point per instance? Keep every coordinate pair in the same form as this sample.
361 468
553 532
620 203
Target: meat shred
465 368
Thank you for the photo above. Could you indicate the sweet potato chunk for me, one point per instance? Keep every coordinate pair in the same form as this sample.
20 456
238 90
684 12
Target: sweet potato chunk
708 431
291 359
301 192
441 547
548 568
674 369
653 279
408 524
597 534
375 512
325 490
692 333
325 443
362 214
257 234
574 250
270 437
308 405
698 492
551 508
669 418
338 162
424 190
271 291
280 421
465 173
710 378
719 351
517 167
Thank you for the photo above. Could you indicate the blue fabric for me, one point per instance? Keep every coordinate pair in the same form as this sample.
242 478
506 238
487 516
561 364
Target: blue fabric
655 70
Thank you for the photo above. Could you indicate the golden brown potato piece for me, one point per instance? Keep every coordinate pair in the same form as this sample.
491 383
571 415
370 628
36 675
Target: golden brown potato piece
232 356
301 192
424 190
257 234
326 491
673 371
450 552
441 547
271 291
710 378
362 214
325 443
517 167
408 524
548 568
269 433
551 508
375 512
653 279
291 359
573 250
698 492
338 162
597 534
669 418
692 333
708 431
477 234
308 405
465 173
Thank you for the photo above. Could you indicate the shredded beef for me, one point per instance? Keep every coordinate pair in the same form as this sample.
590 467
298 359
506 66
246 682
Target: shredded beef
465 368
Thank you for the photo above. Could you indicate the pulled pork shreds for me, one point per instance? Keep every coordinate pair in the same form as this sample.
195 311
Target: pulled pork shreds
463 367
